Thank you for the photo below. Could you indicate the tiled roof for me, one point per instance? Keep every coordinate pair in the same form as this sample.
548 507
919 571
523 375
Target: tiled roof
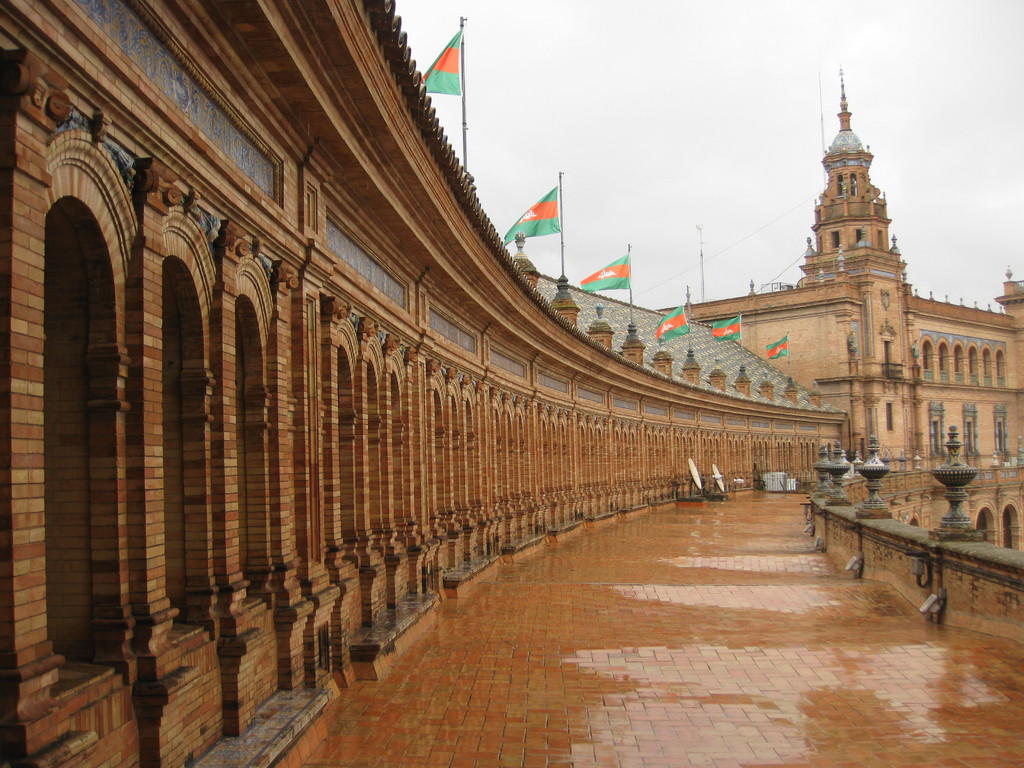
709 352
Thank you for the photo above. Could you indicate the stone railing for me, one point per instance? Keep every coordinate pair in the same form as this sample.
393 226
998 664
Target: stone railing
974 585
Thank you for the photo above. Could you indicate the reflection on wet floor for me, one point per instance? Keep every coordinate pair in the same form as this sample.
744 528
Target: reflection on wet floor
641 644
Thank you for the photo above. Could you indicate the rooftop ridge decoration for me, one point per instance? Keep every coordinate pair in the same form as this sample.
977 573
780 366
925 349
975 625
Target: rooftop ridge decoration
144 40
395 51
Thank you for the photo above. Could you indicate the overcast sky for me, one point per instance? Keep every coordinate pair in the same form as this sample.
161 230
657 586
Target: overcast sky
670 114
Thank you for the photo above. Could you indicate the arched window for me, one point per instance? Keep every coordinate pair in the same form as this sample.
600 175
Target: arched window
853 184
927 358
986 366
972 364
1010 526
986 524
840 191
958 363
1000 369
943 361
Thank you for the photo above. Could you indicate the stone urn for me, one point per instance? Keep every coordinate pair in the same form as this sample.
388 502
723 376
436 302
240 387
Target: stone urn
821 467
837 468
873 470
955 476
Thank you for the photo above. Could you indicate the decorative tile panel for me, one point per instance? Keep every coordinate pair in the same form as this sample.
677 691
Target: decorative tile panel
626 405
452 331
589 394
352 254
552 383
163 68
506 363
655 410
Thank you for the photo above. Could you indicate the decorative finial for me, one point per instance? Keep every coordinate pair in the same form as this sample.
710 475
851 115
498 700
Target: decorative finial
821 274
895 251
810 248
600 311
1009 273
751 287
520 242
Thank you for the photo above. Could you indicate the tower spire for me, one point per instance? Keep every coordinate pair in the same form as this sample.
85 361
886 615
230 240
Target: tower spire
844 107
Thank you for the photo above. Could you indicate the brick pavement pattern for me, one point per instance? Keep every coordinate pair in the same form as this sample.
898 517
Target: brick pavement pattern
706 636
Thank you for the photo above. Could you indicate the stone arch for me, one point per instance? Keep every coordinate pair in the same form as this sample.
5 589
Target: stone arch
943 358
973 371
83 434
1000 368
79 169
185 394
986 365
252 449
927 355
251 281
185 240
986 523
1010 528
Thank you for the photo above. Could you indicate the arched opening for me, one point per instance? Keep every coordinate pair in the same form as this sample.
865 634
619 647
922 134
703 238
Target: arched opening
943 361
251 446
927 359
913 522
958 363
1000 369
184 385
986 366
346 452
986 524
840 185
1010 527
972 364
853 185
79 442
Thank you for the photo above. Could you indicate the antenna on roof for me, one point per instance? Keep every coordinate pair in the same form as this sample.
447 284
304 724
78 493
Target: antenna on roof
700 230
821 112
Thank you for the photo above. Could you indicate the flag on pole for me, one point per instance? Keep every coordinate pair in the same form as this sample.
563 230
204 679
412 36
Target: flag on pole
615 275
541 219
727 329
443 75
779 348
673 324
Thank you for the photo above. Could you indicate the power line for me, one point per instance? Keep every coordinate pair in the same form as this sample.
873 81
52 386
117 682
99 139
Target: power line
733 245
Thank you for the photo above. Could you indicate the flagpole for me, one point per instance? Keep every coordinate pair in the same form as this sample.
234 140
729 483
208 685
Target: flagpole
629 250
561 222
462 74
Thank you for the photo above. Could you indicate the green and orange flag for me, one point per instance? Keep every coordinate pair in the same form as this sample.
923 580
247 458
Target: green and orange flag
541 219
443 75
615 275
673 324
779 348
726 329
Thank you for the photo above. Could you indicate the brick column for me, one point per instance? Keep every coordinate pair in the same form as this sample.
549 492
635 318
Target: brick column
291 608
32 102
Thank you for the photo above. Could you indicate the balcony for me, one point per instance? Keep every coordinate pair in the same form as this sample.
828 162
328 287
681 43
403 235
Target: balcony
894 370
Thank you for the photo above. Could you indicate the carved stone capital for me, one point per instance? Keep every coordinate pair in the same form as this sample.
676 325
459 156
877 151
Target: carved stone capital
433 367
28 84
155 184
412 355
332 308
232 241
367 330
283 278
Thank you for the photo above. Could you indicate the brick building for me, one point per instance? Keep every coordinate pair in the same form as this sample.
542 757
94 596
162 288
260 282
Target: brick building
269 382
900 365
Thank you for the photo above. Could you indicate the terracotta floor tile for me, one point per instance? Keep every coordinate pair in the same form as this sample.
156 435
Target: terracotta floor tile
709 637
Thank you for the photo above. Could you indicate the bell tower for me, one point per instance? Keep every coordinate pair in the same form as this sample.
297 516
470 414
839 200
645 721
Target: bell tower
850 221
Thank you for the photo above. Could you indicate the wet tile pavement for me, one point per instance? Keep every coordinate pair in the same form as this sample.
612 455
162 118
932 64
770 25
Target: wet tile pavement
709 636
